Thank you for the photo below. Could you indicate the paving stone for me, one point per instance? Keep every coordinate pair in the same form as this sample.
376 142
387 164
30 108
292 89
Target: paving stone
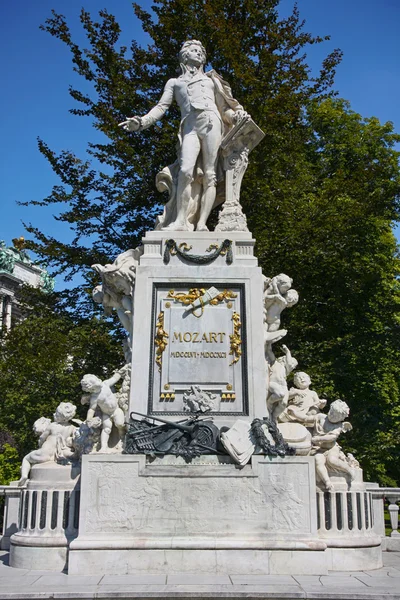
308 580
10 572
340 593
192 579
267 591
345 573
126 588
260 579
391 559
133 579
21 581
263 591
394 572
384 572
62 579
380 582
201 591
27 593
332 580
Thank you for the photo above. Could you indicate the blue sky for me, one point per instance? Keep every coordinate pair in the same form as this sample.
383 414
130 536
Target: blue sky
37 70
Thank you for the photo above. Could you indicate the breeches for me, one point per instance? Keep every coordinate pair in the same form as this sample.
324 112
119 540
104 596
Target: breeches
201 123
201 132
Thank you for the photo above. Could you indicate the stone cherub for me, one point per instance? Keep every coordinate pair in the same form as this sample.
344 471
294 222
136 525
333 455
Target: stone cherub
208 112
278 392
116 289
328 454
278 295
302 401
99 394
55 441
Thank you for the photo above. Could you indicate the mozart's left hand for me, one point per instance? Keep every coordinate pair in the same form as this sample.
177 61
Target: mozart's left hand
240 115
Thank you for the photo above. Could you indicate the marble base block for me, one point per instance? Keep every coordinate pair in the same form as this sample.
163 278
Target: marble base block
10 519
354 559
49 508
238 562
163 515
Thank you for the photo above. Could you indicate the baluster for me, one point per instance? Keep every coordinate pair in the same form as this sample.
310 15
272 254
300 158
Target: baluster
394 513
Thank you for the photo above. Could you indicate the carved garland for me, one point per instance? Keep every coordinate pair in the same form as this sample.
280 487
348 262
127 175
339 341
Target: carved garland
236 340
279 447
172 248
160 340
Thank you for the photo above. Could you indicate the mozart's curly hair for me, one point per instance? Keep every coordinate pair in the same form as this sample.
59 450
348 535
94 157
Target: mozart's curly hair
185 48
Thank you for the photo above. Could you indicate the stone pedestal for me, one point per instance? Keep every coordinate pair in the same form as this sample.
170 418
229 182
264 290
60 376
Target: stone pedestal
11 511
163 516
198 344
218 346
48 519
346 524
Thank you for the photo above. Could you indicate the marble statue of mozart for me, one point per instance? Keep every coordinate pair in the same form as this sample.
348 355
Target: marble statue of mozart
208 112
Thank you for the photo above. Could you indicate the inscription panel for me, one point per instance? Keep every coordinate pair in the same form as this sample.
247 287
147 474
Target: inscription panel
199 347
198 339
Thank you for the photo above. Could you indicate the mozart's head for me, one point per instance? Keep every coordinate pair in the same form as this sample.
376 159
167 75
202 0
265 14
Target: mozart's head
192 50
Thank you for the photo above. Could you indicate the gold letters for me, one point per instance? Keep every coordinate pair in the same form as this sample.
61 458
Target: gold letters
193 337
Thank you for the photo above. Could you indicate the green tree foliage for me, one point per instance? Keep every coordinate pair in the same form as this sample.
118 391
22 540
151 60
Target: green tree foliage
342 253
263 59
9 464
9 459
321 192
41 363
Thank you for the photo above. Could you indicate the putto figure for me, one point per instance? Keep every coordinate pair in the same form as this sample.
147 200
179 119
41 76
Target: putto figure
208 112
278 392
99 394
328 455
55 441
303 402
278 295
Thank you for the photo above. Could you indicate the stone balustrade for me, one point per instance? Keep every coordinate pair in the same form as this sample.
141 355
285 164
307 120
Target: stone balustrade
53 513
12 495
344 512
392 497
336 512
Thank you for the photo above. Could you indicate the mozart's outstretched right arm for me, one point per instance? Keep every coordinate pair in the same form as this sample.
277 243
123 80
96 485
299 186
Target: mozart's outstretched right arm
155 114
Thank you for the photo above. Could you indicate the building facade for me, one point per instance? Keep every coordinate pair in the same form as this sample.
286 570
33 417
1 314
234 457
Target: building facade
17 269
